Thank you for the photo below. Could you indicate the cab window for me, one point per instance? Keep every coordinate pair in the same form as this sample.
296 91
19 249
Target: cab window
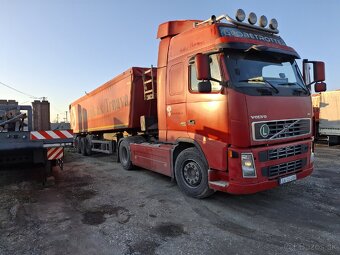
215 73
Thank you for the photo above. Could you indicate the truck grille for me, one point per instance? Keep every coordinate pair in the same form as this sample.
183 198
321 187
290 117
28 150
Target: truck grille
284 168
281 129
286 152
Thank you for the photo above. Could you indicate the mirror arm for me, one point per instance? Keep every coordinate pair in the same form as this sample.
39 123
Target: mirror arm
222 83
309 86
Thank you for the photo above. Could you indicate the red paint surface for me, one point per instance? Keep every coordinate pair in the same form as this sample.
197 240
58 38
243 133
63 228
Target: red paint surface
116 105
152 156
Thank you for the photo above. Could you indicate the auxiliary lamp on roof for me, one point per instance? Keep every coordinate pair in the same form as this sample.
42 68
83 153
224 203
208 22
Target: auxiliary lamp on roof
263 21
273 24
240 15
252 19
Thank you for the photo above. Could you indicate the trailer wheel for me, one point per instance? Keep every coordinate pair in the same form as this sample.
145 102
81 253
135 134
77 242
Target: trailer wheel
83 146
125 155
191 173
88 145
77 144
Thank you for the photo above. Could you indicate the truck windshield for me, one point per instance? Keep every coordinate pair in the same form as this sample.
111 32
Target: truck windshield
263 73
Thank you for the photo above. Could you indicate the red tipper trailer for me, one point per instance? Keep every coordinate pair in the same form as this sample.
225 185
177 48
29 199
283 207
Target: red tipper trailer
226 109
116 105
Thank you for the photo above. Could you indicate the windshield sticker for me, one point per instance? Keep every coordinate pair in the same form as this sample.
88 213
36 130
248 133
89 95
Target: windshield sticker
234 32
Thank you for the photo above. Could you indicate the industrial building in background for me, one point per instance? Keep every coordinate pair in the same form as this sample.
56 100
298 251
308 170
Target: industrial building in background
25 138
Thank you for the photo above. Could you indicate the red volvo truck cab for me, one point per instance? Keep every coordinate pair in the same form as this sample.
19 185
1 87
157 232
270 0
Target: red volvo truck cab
233 112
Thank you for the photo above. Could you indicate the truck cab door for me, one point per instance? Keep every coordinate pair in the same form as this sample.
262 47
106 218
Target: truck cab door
207 114
176 111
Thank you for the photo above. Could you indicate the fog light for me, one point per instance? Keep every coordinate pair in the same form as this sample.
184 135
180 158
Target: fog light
263 21
273 24
252 18
248 166
240 15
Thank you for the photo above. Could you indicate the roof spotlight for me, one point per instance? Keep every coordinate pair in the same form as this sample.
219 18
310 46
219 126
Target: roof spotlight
240 15
273 24
252 18
263 21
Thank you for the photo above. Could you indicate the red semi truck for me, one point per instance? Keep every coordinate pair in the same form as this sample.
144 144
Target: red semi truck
226 109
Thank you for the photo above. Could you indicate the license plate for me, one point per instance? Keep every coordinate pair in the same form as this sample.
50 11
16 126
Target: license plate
289 178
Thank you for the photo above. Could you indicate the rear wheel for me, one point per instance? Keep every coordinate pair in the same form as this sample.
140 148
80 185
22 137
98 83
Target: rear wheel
83 143
191 173
125 152
88 145
125 155
77 144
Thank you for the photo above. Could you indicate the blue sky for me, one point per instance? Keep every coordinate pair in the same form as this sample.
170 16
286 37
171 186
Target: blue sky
60 49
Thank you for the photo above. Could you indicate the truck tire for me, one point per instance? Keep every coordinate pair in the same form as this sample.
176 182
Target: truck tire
124 150
191 173
125 154
77 144
83 146
88 145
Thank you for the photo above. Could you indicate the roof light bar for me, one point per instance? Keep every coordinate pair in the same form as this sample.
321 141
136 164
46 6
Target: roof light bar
240 17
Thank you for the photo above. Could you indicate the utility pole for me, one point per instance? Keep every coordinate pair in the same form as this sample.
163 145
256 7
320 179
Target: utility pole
57 118
66 117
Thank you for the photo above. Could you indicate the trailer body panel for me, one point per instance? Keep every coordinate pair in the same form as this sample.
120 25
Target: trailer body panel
116 105
329 116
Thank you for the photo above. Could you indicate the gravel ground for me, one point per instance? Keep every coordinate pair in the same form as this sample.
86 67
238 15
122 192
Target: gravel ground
96 207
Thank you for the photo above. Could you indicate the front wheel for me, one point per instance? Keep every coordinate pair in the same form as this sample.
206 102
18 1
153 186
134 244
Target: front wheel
191 173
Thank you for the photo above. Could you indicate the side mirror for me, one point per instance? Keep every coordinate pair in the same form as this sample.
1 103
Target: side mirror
204 87
319 71
202 63
320 87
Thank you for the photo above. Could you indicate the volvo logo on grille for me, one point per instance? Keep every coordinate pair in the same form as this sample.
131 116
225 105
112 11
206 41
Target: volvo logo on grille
286 126
264 131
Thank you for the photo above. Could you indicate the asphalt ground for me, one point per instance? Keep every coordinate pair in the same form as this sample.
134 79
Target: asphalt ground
94 206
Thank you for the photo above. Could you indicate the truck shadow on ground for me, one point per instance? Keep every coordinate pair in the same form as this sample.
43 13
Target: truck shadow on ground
19 175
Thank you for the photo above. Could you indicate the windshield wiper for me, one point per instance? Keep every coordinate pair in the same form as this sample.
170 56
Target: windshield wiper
262 80
295 83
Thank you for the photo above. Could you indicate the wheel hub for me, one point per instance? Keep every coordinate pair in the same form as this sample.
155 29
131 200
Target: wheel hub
192 174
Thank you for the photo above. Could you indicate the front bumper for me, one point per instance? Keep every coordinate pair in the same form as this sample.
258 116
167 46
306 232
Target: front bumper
239 188
271 163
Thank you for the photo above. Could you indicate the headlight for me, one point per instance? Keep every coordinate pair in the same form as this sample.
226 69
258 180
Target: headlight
248 166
